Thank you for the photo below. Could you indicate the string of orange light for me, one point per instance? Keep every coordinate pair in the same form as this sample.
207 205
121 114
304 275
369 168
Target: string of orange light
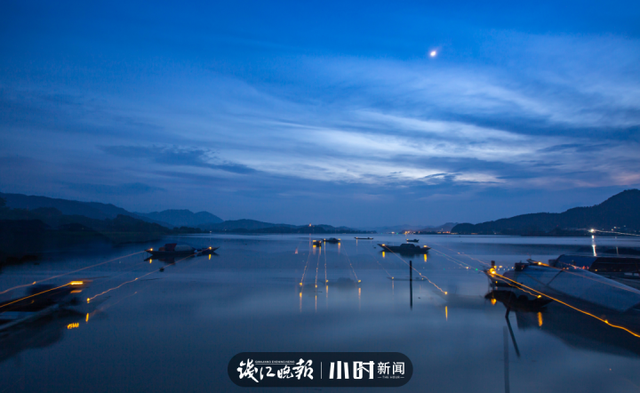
452 259
351 265
137 278
419 273
35 294
517 284
317 268
71 272
466 255
613 284
306 264
381 267
539 294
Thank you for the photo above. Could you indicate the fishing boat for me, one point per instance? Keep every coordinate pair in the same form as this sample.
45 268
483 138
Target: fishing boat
406 248
317 243
569 284
42 300
332 240
208 251
412 240
176 250
363 238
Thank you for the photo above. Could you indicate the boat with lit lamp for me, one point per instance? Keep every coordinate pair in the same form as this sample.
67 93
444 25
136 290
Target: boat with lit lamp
176 250
567 284
317 243
208 250
406 248
332 240
41 300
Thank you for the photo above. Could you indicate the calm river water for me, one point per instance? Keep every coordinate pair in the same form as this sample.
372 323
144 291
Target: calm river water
176 330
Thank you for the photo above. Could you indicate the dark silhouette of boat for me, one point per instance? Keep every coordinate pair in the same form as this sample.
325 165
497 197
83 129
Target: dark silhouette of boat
37 333
363 238
332 240
40 301
407 249
412 240
317 243
569 284
518 303
573 327
176 250
208 251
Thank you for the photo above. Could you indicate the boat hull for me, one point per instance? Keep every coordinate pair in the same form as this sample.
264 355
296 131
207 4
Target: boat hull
405 250
159 254
181 253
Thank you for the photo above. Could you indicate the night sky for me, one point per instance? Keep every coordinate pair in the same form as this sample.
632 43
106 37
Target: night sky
322 112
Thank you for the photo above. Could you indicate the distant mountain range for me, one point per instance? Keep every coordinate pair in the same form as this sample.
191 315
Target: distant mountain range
99 211
60 219
34 224
29 233
31 225
416 228
201 221
235 225
619 213
252 226
103 211
182 218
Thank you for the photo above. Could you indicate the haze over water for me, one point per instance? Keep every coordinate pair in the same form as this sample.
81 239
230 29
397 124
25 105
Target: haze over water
176 330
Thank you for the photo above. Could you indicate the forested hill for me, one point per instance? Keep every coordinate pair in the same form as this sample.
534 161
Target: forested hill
620 212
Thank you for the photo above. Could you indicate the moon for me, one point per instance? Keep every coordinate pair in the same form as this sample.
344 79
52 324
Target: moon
433 53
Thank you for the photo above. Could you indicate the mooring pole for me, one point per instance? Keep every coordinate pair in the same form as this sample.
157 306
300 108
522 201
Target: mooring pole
513 337
411 284
506 360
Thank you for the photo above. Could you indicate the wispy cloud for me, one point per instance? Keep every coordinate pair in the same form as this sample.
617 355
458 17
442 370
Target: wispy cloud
177 156
523 112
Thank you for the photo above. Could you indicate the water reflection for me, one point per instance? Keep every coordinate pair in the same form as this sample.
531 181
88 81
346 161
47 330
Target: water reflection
344 284
206 313
411 285
572 327
41 333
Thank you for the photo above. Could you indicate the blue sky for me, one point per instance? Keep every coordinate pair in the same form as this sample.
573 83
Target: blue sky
324 112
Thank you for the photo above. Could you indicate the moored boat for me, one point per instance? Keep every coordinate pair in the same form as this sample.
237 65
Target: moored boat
406 248
41 300
579 287
174 250
208 250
